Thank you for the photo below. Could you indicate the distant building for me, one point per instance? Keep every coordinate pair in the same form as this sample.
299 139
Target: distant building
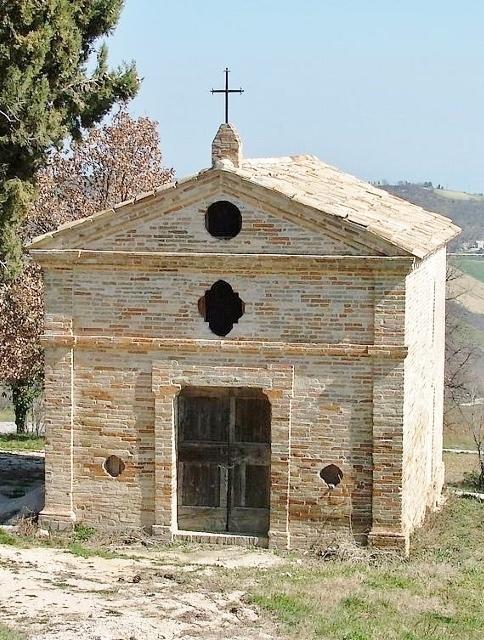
257 350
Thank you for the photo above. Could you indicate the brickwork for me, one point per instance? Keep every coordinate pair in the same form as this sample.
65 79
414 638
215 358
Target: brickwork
341 330
116 413
313 307
424 388
262 232
227 145
331 413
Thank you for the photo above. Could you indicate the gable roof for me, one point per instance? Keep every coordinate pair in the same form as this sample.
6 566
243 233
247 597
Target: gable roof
312 183
308 180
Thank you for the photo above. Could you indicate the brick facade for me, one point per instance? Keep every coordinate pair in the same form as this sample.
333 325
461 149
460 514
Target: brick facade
345 341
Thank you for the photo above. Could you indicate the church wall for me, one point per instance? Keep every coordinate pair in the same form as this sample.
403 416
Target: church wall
330 423
424 375
113 415
184 230
58 300
299 307
333 405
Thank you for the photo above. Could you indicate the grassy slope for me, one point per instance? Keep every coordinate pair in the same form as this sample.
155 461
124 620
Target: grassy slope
26 442
472 266
6 414
436 594
458 195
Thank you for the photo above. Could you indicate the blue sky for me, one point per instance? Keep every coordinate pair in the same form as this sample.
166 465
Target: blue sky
383 89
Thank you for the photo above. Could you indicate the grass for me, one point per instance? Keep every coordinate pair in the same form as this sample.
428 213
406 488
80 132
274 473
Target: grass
83 551
11 540
21 442
72 543
459 467
472 266
435 594
8 634
83 533
458 195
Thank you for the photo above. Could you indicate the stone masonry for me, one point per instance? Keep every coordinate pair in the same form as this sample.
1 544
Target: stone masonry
342 330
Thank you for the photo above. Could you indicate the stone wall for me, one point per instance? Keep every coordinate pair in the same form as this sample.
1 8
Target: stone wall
330 423
424 379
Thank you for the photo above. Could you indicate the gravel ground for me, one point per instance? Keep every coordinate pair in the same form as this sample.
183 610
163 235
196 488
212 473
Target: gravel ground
159 595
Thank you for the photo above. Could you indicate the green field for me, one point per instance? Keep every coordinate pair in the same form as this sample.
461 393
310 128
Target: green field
472 266
21 442
458 195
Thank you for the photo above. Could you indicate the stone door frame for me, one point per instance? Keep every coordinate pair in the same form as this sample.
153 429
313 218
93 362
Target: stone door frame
275 381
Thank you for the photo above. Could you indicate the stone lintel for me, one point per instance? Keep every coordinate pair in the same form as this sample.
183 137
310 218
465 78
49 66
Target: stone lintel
383 351
190 260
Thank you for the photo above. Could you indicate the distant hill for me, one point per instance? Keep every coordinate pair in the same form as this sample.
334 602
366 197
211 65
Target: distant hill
465 209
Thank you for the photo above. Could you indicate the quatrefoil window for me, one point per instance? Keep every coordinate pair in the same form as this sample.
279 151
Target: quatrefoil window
221 307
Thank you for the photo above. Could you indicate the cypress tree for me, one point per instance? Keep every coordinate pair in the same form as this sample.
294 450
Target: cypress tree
47 93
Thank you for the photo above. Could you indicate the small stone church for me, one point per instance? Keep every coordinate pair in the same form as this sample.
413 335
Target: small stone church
254 354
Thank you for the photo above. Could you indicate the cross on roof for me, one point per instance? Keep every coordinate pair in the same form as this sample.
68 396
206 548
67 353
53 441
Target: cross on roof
227 91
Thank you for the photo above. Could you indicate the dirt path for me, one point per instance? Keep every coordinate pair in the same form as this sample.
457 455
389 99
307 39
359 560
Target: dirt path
159 595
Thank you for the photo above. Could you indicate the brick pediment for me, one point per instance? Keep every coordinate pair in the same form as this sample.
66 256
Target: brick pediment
172 219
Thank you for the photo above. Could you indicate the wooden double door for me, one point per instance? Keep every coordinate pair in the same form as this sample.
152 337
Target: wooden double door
223 465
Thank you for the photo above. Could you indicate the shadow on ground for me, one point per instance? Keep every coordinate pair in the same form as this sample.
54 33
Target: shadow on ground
21 486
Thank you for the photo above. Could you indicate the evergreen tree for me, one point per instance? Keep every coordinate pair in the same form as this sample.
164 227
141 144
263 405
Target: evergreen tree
47 94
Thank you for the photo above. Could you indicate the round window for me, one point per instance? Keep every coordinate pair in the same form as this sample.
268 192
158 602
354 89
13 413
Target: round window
223 220
331 475
114 466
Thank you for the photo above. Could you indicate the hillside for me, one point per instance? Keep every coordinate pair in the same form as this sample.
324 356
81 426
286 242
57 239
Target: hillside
465 209
465 306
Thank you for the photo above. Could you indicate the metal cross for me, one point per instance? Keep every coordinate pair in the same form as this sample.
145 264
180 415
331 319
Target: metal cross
227 91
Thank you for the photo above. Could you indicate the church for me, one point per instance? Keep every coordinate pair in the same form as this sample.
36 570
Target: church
251 355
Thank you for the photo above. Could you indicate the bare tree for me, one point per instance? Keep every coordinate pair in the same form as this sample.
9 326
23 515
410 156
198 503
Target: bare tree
459 353
462 396
473 416
111 163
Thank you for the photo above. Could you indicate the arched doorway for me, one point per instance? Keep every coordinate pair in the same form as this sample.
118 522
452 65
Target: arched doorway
223 460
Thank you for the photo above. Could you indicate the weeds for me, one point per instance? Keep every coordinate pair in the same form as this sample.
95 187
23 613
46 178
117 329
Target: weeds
81 551
435 594
83 533
7 538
